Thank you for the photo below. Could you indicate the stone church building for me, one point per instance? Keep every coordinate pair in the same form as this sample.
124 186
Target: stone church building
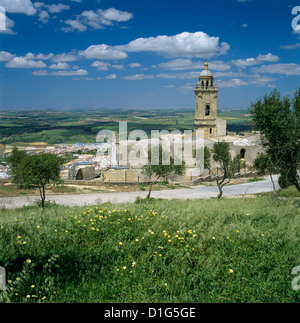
248 146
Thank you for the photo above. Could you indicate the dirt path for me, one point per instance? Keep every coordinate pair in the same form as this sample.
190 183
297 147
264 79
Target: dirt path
197 192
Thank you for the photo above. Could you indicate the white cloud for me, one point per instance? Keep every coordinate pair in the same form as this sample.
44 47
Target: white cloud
113 14
44 57
25 62
118 67
101 66
181 76
75 25
79 72
187 64
262 80
52 8
186 44
231 83
111 77
243 63
103 52
64 58
285 69
185 89
19 6
96 19
57 8
40 73
44 16
9 24
292 46
44 9
5 56
138 77
133 65
59 66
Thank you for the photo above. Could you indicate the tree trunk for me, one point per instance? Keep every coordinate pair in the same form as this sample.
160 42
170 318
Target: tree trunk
297 185
43 195
274 188
220 191
150 190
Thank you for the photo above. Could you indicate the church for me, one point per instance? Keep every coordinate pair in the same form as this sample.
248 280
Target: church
214 129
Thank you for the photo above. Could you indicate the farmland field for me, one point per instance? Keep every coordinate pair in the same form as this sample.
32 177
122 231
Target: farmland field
71 126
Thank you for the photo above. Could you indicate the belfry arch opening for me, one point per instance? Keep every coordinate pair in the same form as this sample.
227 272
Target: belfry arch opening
207 110
243 153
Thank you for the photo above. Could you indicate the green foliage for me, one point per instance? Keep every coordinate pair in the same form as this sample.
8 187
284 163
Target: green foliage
220 153
163 166
35 170
278 119
284 182
206 251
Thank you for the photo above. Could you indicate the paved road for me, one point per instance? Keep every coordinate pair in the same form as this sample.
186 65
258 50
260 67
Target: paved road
196 192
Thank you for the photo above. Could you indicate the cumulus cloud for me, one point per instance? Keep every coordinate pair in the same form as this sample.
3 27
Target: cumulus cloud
118 66
103 52
44 16
44 10
291 46
186 44
111 77
25 62
101 66
98 19
9 24
133 65
19 6
285 69
44 57
52 8
260 59
5 56
74 25
231 83
69 57
59 66
79 72
181 76
113 14
262 80
187 64
138 77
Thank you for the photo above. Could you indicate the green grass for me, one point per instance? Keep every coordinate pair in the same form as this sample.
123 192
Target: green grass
229 250
255 179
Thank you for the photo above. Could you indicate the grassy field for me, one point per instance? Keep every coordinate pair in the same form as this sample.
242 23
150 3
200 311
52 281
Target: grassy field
229 250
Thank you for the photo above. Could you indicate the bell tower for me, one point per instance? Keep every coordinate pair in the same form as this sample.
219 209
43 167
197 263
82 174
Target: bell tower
206 103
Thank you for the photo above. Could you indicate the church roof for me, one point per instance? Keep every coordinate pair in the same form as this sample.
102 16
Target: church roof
206 72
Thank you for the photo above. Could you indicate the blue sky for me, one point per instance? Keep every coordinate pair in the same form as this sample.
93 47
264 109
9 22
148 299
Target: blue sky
144 54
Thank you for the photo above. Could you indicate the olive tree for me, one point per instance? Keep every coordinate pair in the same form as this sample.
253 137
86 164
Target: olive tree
278 118
35 170
220 153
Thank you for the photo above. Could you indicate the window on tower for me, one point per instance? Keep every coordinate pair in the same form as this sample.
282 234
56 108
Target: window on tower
207 110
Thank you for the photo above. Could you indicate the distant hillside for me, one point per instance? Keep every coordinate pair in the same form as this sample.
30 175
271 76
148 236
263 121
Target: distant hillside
69 126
